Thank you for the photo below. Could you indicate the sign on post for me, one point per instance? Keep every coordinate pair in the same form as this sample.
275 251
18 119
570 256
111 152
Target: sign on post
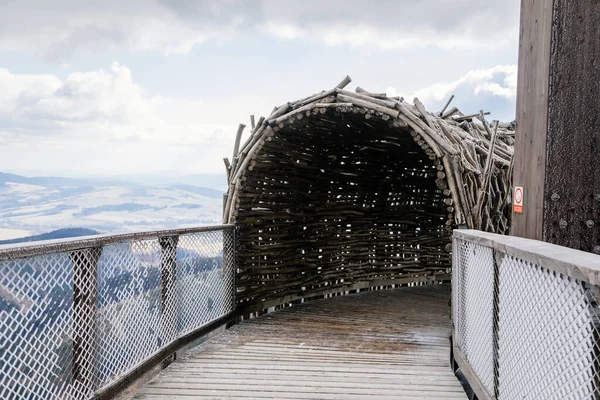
518 200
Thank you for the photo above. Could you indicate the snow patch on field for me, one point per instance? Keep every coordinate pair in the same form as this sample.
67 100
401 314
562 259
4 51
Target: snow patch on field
29 208
23 187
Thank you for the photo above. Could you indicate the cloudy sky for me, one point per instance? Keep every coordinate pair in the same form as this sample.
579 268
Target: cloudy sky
112 87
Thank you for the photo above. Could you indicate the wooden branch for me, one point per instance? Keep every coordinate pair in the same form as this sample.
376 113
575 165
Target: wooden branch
368 104
333 105
447 104
259 124
373 100
227 167
450 113
238 137
486 172
344 82
454 192
279 111
442 142
370 94
236 146
424 112
466 117
314 98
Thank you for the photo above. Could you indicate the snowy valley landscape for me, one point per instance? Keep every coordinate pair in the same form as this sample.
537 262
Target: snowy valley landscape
34 206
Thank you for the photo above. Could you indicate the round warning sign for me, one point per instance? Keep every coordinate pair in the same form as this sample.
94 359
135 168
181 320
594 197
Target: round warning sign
518 200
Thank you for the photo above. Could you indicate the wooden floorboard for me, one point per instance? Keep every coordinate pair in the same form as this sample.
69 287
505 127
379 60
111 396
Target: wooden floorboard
390 344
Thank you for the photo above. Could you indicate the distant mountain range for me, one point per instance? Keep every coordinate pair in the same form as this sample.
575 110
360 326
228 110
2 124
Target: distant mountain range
30 206
216 182
62 182
57 234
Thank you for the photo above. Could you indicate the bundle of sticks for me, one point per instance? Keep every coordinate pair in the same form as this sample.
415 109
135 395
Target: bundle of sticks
345 186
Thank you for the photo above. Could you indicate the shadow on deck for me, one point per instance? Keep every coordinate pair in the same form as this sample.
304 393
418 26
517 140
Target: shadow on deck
378 344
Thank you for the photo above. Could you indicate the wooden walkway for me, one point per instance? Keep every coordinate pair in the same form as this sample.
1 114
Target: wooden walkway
389 344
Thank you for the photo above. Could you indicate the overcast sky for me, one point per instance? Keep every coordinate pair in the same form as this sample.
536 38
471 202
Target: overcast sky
112 87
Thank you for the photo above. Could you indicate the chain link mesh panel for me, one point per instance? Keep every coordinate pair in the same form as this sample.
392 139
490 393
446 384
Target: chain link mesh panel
74 322
204 287
547 339
475 308
36 337
541 340
129 307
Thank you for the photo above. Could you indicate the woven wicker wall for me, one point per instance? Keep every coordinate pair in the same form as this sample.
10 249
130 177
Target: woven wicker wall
336 194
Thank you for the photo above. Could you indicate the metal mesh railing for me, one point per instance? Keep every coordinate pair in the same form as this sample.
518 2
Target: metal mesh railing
475 284
525 324
75 317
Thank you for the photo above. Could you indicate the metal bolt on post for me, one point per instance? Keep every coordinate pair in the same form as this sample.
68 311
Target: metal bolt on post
563 224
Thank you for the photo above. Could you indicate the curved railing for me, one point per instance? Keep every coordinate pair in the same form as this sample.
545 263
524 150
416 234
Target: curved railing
81 318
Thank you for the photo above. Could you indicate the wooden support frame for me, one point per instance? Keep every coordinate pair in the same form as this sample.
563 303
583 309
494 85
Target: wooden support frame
557 156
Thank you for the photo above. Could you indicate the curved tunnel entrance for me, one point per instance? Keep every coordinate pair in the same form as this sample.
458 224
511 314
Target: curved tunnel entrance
346 188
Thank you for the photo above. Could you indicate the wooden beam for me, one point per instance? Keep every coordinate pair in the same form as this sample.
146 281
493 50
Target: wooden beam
572 183
532 115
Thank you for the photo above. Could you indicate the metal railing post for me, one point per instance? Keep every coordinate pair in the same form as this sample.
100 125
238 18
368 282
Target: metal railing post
168 266
593 294
85 294
496 317
229 258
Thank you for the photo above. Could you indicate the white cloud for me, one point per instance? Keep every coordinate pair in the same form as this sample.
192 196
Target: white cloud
102 122
480 81
361 35
98 95
56 29
494 89
284 31
22 88
396 24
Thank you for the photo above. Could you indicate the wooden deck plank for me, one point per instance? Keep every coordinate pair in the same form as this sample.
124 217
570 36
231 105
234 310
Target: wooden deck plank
384 344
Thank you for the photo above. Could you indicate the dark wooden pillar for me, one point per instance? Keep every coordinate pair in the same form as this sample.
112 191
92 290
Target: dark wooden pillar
557 153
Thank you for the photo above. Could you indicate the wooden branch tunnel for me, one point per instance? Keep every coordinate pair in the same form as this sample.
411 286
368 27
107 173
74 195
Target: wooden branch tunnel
344 187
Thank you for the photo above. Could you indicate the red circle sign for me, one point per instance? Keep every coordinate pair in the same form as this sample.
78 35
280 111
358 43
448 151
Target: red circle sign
518 196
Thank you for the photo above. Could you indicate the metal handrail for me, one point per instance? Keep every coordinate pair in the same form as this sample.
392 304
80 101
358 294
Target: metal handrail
574 263
525 317
30 249
73 310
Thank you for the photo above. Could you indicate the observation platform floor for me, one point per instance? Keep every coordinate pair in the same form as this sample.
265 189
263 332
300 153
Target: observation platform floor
389 344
